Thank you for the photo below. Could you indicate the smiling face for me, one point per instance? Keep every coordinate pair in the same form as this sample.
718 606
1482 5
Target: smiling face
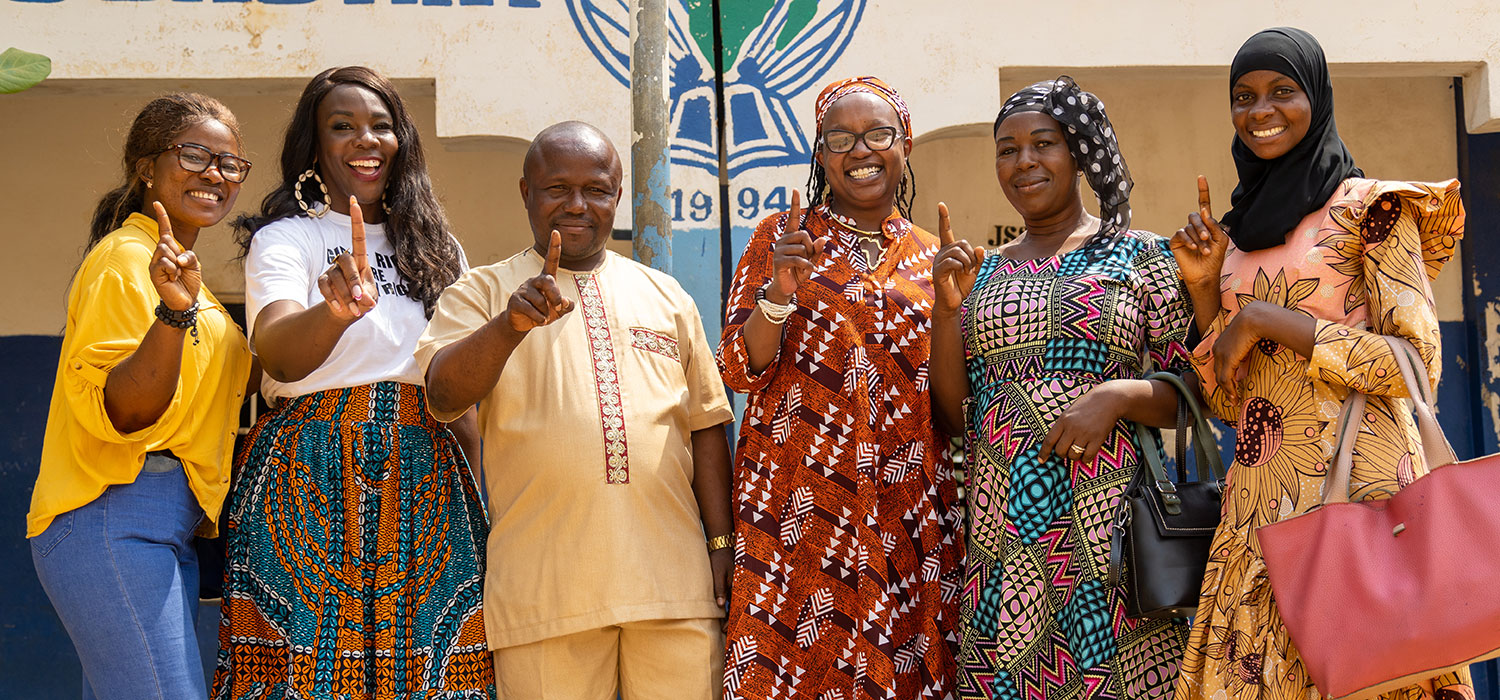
1270 111
862 180
356 145
571 184
192 200
1035 168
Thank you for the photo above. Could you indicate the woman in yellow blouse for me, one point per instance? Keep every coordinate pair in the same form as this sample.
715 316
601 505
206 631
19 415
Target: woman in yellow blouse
144 407
1313 264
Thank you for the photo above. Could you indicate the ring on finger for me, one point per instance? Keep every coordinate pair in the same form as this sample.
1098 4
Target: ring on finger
1075 451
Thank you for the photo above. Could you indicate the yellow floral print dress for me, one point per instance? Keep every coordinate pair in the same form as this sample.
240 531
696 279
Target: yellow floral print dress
1362 266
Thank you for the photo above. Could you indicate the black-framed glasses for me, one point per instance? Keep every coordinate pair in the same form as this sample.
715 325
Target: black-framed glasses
196 159
879 138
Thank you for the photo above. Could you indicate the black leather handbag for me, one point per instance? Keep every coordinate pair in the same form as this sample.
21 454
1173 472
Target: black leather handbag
1163 529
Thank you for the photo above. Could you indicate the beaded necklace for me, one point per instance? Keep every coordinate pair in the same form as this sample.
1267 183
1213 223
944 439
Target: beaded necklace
876 237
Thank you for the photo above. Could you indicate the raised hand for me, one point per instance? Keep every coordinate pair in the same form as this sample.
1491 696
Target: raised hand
349 285
794 255
955 269
175 272
1200 245
538 301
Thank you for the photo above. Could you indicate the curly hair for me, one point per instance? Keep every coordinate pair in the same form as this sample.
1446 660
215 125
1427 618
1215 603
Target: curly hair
427 254
160 122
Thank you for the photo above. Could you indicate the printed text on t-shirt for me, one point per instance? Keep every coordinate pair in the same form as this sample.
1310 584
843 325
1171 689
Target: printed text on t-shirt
383 267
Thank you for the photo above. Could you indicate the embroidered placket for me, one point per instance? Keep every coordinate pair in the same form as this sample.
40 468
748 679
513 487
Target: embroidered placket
606 380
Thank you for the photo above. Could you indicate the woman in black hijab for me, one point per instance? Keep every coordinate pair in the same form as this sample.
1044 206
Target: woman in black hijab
1291 294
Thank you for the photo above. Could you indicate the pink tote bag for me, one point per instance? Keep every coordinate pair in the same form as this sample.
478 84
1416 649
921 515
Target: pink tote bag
1379 595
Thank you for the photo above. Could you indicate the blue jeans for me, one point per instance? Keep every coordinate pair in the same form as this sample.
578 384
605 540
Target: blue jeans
123 577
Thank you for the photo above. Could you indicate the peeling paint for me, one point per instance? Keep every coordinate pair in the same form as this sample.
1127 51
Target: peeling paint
1492 358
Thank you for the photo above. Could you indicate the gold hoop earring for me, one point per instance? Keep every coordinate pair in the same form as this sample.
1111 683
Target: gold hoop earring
312 211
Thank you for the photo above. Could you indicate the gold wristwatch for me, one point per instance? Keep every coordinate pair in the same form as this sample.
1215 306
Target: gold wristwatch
721 542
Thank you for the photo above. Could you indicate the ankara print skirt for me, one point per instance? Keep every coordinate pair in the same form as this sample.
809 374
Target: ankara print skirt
354 555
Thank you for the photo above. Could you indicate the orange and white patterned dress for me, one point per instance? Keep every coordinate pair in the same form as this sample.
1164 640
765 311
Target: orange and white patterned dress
1362 266
846 574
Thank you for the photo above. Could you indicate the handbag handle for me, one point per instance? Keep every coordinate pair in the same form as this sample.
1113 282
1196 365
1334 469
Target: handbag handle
1436 450
1202 436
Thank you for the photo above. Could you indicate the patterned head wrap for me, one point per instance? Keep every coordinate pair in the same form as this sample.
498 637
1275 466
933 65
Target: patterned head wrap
870 84
1091 140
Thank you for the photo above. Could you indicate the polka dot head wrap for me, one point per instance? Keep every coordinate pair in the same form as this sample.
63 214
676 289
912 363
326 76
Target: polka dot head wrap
1091 140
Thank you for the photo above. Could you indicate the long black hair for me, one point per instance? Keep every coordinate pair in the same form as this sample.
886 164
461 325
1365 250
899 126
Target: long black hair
155 127
427 255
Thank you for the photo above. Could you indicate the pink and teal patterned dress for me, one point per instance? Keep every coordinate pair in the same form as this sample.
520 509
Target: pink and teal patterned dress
1038 619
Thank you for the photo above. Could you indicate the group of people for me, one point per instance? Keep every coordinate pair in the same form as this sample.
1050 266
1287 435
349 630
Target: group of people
626 550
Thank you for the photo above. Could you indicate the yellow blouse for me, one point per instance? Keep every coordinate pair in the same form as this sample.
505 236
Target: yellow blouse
111 304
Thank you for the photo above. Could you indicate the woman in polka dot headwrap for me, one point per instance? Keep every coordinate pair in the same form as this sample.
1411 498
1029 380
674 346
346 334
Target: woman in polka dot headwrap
1037 348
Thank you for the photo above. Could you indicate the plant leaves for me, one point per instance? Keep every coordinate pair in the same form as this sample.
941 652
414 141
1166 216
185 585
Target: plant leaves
740 18
701 26
798 15
21 69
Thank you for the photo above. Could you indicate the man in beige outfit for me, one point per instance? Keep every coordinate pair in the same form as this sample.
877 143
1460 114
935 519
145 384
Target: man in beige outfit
605 454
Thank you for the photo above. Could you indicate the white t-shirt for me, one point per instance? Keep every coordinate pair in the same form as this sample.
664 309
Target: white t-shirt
286 258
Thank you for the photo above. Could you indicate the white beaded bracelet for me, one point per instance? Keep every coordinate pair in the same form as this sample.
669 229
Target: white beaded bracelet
776 313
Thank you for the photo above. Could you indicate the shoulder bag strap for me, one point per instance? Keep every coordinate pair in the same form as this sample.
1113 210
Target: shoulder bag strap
1435 447
1210 463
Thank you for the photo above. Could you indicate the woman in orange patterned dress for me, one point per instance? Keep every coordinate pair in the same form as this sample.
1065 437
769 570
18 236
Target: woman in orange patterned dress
847 571
1311 267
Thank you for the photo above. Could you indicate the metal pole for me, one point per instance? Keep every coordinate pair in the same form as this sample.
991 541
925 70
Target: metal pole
650 157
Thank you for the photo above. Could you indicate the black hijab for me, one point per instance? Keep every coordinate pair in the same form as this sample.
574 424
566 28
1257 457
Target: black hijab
1274 195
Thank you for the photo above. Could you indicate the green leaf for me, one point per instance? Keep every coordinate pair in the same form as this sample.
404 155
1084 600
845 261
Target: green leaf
741 18
701 26
20 70
798 15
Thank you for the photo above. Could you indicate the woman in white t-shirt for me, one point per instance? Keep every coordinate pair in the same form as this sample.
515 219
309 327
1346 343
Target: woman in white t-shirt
355 532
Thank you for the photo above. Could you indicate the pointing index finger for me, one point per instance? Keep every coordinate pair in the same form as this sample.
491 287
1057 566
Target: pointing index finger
794 216
1204 207
945 228
554 254
357 234
164 228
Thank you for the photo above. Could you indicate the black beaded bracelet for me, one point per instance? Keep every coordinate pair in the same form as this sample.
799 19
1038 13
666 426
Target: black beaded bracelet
187 318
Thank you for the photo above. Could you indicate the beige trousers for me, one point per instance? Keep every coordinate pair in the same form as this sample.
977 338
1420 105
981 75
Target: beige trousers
648 660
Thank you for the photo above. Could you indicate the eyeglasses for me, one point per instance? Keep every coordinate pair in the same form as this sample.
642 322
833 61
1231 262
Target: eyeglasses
196 159
879 138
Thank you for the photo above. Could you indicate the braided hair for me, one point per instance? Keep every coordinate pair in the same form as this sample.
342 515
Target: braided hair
817 187
817 180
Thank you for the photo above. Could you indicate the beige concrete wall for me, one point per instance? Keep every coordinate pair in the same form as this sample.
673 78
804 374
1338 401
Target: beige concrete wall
497 68
67 135
62 142
1172 129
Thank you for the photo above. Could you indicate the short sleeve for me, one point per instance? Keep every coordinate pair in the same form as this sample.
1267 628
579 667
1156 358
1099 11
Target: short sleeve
753 272
708 405
114 310
462 309
1169 311
280 266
